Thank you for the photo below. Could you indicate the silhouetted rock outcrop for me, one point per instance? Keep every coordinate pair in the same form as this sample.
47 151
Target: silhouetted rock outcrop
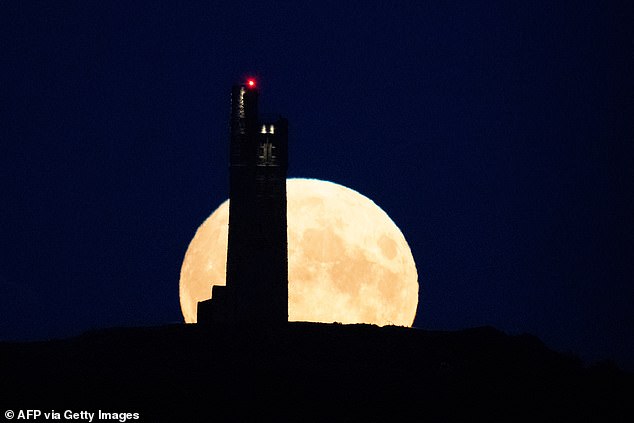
308 371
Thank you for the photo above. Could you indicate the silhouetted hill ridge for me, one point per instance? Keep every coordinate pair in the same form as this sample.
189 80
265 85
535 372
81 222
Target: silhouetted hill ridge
307 371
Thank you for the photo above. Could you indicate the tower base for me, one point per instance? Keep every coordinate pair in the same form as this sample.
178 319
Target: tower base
214 310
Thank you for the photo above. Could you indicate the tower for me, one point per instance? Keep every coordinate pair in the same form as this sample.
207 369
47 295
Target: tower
257 254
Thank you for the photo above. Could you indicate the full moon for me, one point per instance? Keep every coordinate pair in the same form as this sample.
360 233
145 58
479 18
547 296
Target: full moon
347 260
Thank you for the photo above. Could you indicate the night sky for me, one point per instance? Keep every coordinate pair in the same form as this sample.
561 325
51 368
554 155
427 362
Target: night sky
497 135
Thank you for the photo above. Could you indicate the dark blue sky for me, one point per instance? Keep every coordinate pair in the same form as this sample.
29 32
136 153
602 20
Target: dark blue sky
497 135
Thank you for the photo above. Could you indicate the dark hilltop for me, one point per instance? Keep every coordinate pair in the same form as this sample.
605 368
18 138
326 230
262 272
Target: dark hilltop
311 371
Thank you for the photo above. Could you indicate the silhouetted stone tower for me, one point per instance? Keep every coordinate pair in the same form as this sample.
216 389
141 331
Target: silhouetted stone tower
257 256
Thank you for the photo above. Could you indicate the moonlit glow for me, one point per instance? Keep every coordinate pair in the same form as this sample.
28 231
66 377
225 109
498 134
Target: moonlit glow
348 261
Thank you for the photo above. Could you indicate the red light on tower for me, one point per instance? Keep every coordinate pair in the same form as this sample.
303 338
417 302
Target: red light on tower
251 83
